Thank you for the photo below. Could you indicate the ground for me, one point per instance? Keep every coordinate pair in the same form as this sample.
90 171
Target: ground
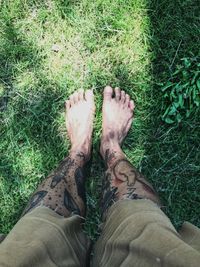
49 49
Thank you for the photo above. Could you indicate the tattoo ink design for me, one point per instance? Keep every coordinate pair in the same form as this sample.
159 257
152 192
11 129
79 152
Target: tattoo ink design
81 155
109 196
70 204
80 183
35 199
123 181
61 172
63 191
131 194
131 176
108 157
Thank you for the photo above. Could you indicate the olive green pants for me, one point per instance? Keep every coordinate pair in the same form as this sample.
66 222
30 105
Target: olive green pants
136 233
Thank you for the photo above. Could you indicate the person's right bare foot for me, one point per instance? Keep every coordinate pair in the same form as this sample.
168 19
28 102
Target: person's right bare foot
117 118
122 180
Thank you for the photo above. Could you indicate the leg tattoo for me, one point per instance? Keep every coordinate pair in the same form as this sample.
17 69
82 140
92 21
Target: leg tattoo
123 181
63 191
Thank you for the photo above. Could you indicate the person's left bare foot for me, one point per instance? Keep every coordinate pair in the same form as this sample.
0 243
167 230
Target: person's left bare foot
63 190
80 109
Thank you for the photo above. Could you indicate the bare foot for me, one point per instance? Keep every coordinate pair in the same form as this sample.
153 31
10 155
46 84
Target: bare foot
80 110
121 180
117 117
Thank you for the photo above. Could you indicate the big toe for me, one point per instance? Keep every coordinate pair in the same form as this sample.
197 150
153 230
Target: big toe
108 91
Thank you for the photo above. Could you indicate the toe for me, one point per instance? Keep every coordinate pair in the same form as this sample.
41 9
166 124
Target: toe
108 91
127 100
123 96
71 99
67 104
132 105
80 94
75 97
89 96
129 124
117 93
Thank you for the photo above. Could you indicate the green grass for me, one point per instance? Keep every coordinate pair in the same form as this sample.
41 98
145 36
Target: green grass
136 45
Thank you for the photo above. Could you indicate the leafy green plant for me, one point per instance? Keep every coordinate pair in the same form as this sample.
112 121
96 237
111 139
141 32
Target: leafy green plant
182 91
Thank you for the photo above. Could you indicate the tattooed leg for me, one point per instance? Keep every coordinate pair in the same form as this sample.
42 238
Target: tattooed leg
121 179
63 191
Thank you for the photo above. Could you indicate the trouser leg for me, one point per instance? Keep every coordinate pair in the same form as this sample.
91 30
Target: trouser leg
137 233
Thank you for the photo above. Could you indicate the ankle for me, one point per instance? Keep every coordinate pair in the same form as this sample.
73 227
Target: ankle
82 151
110 146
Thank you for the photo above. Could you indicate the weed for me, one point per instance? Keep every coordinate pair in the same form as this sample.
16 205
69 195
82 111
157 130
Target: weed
182 91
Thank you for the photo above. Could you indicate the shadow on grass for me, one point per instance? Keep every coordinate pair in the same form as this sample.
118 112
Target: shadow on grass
13 50
27 124
172 152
